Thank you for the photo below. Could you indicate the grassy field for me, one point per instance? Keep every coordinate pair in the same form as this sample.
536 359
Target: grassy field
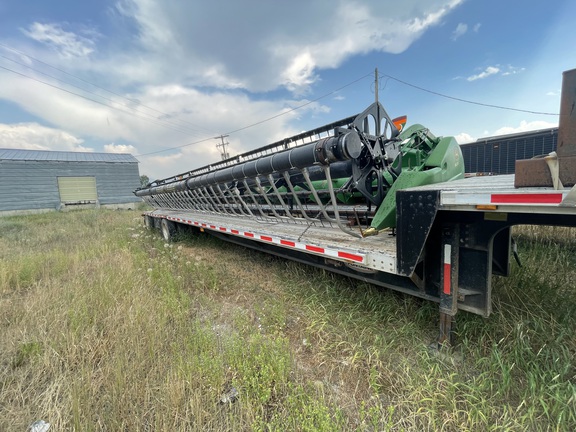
103 326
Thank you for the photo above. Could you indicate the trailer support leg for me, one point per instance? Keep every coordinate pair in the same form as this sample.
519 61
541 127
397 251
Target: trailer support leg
445 338
449 282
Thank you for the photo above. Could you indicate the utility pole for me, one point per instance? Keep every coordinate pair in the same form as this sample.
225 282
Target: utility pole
223 144
376 84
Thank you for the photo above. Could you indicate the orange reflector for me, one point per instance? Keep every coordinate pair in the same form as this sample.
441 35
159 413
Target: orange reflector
486 207
201 229
400 122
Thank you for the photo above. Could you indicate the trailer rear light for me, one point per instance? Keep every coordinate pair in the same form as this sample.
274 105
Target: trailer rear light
486 207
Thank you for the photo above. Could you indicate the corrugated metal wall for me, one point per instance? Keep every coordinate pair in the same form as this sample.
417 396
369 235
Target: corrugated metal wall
29 185
498 155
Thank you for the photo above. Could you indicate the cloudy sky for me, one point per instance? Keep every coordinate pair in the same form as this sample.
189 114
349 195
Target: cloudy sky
162 78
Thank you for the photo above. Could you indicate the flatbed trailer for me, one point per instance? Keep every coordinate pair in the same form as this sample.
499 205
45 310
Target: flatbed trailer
368 199
449 240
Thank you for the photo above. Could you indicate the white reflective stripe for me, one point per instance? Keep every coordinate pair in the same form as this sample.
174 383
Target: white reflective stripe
458 198
517 197
447 254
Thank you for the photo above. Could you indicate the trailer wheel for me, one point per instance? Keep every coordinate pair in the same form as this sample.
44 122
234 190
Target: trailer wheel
168 230
149 222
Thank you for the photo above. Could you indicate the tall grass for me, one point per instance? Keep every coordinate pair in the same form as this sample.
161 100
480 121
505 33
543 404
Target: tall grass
105 327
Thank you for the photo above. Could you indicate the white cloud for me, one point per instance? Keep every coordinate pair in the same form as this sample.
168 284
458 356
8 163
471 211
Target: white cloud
180 116
32 136
67 111
460 30
277 44
464 138
119 148
525 126
496 70
490 70
300 73
513 70
66 43
198 65
476 27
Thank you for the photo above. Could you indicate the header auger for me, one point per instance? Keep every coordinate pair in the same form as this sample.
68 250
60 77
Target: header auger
342 174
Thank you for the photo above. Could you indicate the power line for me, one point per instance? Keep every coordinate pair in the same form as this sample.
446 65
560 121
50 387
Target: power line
161 123
465 100
300 106
344 86
94 85
150 117
265 120
174 148
91 100
131 101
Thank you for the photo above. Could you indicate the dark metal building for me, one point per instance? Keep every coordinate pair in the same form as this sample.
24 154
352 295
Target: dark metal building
34 181
497 155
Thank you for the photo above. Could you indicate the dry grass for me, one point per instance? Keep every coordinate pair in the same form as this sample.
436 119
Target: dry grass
105 327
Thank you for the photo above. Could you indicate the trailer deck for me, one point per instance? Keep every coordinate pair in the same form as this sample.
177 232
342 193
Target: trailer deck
377 252
492 195
478 193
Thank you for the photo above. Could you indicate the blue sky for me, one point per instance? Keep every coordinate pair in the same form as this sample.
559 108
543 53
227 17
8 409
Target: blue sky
167 76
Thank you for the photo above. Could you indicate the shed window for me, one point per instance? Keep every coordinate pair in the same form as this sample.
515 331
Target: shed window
77 190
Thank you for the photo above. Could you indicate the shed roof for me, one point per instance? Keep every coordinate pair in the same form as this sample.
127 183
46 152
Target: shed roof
525 134
63 156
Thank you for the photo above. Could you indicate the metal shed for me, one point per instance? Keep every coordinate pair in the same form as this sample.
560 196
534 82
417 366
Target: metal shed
34 181
498 154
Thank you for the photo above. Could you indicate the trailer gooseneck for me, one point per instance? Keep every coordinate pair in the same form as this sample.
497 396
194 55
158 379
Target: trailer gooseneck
324 198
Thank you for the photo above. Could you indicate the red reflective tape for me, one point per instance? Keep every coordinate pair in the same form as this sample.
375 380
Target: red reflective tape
266 238
526 198
350 256
315 249
222 229
287 243
447 287
247 234
235 231
204 225
213 226
196 223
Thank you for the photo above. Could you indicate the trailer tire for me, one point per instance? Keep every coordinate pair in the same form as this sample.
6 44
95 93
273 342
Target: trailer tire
149 222
168 230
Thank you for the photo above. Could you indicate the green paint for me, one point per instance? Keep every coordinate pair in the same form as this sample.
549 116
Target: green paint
425 160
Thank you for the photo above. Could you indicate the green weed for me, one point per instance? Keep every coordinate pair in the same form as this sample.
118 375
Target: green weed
105 327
